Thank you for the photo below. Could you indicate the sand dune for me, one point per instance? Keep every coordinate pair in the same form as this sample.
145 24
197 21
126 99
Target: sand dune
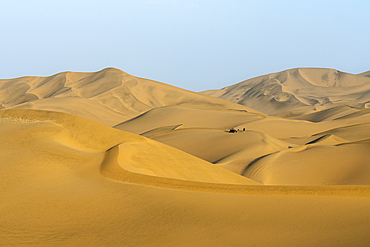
136 151
109 96
236 151
180 116
343 163
204 134
67 180
357 132
302 88
171 174
327 114
367 73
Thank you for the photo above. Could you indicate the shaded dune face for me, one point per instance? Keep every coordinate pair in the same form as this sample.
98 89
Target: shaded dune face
302 88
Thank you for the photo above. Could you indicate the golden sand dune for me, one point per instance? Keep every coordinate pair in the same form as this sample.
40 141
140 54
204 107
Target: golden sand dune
344 163
267 141
348 115
327 139
135 153
179 116
367 73
329 114
356 132
236 151
142 158
360 116
303 88
109 96
287 180
69 181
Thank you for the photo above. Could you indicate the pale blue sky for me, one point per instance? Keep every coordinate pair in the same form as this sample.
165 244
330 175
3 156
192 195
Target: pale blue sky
191 44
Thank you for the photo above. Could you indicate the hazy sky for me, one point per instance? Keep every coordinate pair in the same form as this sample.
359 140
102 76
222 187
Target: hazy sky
191 44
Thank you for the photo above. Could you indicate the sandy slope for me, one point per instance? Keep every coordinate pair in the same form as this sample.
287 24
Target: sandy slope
70 181
303 89
236 150
340 163
367 73
179 116
109 96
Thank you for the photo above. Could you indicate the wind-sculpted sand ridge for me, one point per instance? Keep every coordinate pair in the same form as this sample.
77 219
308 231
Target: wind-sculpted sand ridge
355 132
124 169
109 96
113 170
187 117
342 163
307 89
329 114
142 158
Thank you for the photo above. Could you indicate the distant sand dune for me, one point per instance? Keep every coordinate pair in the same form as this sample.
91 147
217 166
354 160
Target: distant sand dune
301 88
109 96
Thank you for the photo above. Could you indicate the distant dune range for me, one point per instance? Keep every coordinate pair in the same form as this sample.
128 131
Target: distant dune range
299 90
109 159
109 96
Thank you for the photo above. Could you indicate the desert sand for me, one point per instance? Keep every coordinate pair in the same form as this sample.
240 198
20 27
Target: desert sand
109 159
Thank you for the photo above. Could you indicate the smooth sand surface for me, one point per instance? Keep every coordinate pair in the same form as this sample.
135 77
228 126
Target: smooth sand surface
180 117
236 151
339 163
169 173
